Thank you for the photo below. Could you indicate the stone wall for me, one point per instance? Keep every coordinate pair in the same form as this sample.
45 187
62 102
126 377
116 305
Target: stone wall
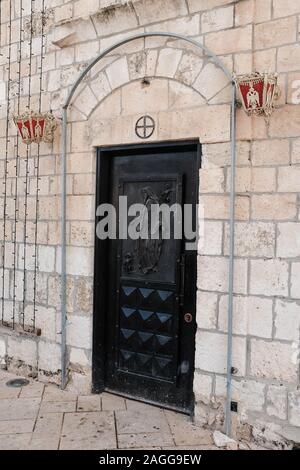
189 97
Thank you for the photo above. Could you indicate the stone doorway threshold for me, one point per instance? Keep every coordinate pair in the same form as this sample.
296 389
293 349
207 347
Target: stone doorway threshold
41 416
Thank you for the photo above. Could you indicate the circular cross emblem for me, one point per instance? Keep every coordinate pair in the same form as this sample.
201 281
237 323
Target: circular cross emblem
145 127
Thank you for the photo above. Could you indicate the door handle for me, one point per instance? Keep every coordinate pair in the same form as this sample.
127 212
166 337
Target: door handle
188 317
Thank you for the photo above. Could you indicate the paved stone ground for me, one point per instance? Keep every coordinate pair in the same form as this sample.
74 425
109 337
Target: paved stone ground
40 416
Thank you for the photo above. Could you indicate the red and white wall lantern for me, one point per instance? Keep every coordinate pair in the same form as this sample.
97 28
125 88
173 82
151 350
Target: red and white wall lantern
258 93
36 127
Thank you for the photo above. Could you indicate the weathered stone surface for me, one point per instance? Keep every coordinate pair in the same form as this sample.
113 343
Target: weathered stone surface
189 68
80 357
22 349
274 207
58 407
210 238
285 8
210 81
212 180
112 402
269 277
217 207
17 426
296 151
48 425
286 122
252 239
53 393
287 320
207 303
115 19
211 352
214 20
275 33
168 61
218 155
191 124
15 442
137 98
270 152
265 59
79 331
272 360
118 73
185 432
196 5
231 40
288 240
131 422
23 408
294 407
89 403
277 402
251 316
149 12
288 179
202 385
295 281
186 26
134 441
216 277
221 440
49 356
84 295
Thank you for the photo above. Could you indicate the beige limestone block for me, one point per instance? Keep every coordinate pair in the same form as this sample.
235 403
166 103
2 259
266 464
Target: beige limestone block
274 206
214 20
211 352
275 33
269 277
231 40
272 360
213 274
149 12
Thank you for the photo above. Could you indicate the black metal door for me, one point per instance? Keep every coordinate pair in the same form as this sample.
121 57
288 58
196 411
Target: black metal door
150 285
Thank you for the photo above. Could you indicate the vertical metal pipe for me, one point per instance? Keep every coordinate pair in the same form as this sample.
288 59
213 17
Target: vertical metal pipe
63 249
231 262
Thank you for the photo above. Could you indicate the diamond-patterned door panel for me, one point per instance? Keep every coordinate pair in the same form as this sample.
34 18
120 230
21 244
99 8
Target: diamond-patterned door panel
147 339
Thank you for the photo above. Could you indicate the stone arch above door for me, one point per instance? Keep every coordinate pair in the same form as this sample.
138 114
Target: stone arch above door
182 65
170 82
196 74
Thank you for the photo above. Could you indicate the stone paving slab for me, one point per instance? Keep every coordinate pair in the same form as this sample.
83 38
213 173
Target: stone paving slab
185 432
53 393
48 443
58 406
89 403
17 426
41 416
136 422
94 430
15 441
19 408
131 441
48 425
112 402
7 392
33 390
